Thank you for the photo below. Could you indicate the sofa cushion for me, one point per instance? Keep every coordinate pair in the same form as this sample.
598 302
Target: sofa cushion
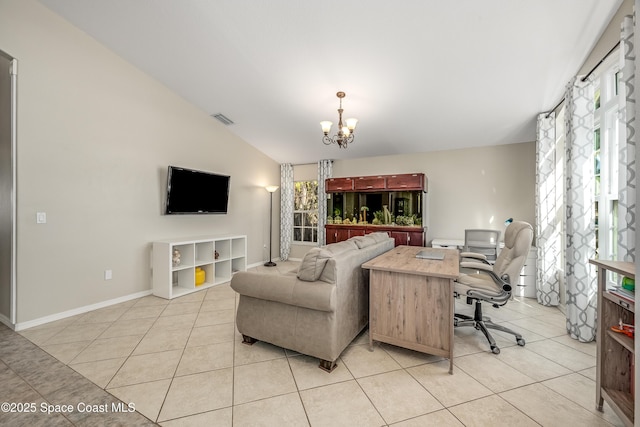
379 236
340 247
313 263
364 241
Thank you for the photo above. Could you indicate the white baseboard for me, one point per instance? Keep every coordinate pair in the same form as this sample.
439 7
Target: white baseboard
259 263
255 264
6 321
80 310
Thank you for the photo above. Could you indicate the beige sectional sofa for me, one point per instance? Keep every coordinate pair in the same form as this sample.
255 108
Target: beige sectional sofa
317 310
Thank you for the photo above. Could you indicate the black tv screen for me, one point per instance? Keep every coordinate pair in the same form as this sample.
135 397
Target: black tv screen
196 192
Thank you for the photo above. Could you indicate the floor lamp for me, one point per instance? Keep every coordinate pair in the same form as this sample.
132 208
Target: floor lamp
271 189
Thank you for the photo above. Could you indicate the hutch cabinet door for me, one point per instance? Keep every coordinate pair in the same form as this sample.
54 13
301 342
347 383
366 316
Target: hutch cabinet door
356 232
332 234
342 234
333 185
410 181
365 183
416 238
401 237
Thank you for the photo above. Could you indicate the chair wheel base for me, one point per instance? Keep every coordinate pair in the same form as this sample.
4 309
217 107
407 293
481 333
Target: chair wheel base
483 324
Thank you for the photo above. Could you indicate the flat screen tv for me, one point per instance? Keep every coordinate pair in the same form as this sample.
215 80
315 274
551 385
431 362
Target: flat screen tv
196 192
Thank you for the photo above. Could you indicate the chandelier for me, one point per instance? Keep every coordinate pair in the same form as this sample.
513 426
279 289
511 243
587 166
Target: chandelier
345 133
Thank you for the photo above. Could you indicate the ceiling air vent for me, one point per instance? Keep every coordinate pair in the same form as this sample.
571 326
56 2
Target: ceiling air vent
222 118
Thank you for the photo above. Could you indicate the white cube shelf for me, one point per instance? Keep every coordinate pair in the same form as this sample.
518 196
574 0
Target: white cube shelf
171 281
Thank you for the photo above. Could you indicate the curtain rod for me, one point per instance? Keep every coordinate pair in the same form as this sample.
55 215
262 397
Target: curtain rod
601 61
307 164
587 76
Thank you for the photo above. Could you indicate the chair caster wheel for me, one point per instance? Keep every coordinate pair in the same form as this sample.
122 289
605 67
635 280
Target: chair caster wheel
495 350
521 342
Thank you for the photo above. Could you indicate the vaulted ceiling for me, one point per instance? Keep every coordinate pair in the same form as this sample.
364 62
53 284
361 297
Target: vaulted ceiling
420 75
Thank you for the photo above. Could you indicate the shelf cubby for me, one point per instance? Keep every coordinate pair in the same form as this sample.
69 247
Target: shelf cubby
224 249
204 253
223 271
187 257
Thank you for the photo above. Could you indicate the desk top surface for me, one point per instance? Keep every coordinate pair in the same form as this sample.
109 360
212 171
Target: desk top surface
402 259
621 267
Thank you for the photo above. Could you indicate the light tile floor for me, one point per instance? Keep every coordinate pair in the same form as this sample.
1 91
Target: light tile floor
182 363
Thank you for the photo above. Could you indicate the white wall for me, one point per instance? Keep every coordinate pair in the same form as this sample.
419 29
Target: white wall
95 136
469 188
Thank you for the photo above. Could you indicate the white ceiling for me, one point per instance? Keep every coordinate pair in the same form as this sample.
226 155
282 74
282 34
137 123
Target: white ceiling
420 75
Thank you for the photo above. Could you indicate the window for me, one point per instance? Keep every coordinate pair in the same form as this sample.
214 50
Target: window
606 135
305 212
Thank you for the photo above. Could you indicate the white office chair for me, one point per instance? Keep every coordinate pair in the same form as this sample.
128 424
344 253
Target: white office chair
482 241
493 283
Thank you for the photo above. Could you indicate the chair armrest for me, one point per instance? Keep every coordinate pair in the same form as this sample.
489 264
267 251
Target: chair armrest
488 269
474 255
477 266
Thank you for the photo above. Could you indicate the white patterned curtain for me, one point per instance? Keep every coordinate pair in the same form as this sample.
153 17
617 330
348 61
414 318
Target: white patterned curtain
286 210
548 212
579 205
325 168
627 149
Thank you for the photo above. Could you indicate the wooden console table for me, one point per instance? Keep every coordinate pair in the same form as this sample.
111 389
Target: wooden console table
411 302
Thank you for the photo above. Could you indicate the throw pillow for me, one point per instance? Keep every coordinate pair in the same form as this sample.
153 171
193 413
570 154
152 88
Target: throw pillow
312 264
364 241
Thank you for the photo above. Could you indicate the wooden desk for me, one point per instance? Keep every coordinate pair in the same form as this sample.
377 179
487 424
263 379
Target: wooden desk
411 301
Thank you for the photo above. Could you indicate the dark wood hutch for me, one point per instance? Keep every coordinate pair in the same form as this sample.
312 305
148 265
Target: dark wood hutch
366 204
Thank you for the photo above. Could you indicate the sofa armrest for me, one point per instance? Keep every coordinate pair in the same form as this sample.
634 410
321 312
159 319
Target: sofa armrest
289 290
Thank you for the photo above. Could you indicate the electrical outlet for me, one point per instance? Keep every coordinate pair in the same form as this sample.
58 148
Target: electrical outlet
108 275
41 217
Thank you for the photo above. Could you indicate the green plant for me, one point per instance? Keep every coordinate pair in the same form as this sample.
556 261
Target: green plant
404 220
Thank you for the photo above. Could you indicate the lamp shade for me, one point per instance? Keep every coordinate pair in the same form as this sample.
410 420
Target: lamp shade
351 124
326 126
271 188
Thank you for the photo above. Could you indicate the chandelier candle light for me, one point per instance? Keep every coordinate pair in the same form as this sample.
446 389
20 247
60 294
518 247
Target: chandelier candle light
345 133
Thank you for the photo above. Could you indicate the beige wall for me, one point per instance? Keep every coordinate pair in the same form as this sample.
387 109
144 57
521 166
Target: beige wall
470 188
609 38
95 137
